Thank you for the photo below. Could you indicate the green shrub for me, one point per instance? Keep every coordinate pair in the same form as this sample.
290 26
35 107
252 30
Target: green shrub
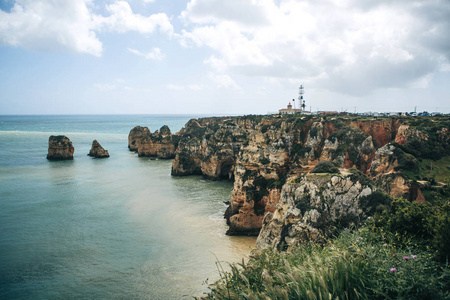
325 166
357 175
406 218
406 162
264 128
375 202
442 234
314 132
359 264
299 151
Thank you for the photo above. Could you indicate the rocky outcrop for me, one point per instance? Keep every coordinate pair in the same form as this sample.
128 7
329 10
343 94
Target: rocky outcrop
136 135
384 161
97 151
404 133
209 146
381 131
60 148
161 144
311 207
264 154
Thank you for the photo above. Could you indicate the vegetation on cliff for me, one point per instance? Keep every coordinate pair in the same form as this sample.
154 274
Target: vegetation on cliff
390 185
303 179
400 253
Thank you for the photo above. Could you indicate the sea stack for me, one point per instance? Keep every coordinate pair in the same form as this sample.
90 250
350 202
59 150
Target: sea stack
60 148
98 151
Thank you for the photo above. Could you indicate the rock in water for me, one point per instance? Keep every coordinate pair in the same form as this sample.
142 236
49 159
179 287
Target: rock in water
97 150
60 148
137 134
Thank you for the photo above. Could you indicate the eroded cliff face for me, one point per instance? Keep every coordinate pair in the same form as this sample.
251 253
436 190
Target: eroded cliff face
260 152
269 158
60 148
311 207
209 146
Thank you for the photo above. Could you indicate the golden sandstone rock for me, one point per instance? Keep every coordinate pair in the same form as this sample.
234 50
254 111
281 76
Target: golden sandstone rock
60 148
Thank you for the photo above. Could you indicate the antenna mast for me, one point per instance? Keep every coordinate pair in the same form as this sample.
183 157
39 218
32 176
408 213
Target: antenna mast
301 91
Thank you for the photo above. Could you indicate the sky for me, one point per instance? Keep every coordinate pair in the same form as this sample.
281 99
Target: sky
220 57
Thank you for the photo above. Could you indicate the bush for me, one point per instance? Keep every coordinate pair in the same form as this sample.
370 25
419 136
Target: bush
442 234
325 166
406 218
375 202
406 162
357 265
357 175
425 224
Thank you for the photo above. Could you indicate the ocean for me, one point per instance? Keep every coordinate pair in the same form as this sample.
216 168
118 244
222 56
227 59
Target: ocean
114 228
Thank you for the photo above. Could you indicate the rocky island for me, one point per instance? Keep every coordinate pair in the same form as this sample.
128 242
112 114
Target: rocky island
60 148
97 151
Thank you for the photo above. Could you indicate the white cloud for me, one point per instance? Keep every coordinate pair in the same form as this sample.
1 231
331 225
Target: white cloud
71 25
123 19
42 25
251 12
348 46
224 81
154 54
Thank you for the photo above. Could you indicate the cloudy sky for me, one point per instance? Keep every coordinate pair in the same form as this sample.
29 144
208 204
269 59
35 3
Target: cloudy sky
223 56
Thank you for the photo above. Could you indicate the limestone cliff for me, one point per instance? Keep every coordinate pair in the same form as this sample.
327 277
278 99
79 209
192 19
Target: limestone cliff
136 135
209 146
270 158
311 206
161 144
60 148
97 151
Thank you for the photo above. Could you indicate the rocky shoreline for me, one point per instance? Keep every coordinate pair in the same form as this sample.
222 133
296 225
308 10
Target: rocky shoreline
270 159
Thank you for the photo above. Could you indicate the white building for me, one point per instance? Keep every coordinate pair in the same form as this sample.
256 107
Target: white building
289 110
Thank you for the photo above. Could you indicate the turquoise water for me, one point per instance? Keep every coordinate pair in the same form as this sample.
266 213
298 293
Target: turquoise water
115 228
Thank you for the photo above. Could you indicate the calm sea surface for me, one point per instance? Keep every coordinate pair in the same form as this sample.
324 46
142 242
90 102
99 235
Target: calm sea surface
115 228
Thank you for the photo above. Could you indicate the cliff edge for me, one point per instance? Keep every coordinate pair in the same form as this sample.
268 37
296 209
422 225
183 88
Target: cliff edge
271 160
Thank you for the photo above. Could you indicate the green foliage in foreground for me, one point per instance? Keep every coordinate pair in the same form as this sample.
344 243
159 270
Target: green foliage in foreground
359 264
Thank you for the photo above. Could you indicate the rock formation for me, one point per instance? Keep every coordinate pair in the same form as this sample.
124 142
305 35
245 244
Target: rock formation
208 146
160 144
136 135
310 207
270 158
97 150
60 148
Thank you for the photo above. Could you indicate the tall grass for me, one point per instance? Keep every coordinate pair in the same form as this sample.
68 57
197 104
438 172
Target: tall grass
359 264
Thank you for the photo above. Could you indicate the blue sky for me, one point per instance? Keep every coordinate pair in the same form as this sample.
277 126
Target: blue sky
222 57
